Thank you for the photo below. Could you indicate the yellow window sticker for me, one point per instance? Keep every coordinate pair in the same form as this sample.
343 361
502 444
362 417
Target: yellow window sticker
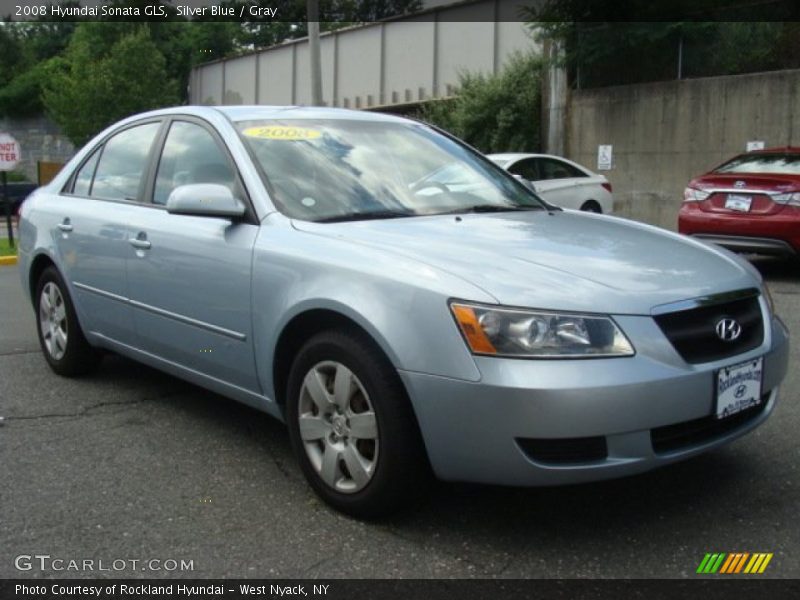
281 132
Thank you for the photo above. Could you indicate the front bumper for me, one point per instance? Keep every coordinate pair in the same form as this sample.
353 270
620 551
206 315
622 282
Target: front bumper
476 431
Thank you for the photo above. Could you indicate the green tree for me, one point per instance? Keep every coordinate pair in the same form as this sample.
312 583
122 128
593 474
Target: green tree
494 113
26 47
86 91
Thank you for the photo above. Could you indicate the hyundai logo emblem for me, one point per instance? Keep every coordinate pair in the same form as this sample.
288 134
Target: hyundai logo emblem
739 184
740 391
728 330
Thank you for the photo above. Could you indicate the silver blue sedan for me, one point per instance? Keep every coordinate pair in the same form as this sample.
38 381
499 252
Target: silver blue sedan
305 262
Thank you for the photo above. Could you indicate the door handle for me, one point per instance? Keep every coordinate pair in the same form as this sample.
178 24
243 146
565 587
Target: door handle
65 225
140 242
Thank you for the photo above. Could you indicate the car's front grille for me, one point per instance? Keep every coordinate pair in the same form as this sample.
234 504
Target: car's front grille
564 450
698 431
693 332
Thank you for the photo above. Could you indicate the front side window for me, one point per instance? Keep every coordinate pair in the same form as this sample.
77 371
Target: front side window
191 155
526 169
122 163
341 169
768 163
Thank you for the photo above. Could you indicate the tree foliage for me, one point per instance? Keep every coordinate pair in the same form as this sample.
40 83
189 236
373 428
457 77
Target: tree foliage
88 89
494 113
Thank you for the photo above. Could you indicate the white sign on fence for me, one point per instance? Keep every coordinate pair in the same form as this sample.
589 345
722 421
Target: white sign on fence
9 152
604 157
755 146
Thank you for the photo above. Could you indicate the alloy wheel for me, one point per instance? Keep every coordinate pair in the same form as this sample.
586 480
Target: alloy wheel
338 427
53 320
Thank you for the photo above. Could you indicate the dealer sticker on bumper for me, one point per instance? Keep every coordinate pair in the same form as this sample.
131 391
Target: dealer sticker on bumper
739 387
740 203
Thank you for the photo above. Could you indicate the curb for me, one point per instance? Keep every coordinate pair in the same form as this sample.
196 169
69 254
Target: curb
8 260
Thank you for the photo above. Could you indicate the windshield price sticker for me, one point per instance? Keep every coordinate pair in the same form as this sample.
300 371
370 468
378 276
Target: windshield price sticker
280 132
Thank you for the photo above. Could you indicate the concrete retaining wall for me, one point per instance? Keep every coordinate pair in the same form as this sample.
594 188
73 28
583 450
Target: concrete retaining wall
665 133
40 139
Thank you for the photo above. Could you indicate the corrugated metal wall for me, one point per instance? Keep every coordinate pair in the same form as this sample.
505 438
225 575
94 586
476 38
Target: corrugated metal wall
389 63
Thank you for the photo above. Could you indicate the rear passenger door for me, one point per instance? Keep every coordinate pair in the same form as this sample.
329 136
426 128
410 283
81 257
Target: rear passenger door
558 182
91 228
190 276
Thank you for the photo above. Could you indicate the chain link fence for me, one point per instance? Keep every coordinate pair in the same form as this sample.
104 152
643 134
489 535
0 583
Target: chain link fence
607 54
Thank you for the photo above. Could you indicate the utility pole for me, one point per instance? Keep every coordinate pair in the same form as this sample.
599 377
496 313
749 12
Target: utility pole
312 7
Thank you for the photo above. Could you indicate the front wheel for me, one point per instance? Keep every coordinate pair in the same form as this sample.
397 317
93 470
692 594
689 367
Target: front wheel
352 427
63 344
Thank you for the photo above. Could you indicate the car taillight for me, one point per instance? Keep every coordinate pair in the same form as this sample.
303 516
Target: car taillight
607 185
694 195
789 199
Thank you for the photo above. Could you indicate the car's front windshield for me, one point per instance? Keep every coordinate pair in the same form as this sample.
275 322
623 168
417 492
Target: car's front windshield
350 169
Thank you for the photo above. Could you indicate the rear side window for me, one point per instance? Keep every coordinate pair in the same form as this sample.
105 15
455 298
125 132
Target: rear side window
788 164
550 168
83 179
122 163
191 155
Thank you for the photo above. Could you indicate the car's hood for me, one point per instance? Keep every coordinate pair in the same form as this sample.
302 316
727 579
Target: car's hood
565 260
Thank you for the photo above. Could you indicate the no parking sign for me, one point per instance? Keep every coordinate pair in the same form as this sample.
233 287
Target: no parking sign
9 152
9 159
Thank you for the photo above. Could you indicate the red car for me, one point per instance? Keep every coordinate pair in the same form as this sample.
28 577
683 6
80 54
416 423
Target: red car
750 203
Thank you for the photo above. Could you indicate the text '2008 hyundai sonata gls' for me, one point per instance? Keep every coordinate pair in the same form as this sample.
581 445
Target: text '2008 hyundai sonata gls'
303 261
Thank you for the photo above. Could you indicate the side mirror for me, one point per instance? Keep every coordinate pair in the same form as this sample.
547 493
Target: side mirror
205 200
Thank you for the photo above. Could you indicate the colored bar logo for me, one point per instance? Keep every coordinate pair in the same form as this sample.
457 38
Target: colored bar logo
734 562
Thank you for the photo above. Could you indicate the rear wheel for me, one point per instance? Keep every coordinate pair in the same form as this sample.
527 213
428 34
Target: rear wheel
63 344
591 206
352 427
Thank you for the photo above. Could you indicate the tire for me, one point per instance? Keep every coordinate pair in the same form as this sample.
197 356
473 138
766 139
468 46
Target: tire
63 344
591 206
394 466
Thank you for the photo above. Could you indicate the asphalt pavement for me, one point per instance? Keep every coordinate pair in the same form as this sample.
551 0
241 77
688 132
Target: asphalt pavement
129 464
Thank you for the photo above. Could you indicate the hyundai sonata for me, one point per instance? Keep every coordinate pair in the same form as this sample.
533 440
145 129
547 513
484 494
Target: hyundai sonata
300 260
750 203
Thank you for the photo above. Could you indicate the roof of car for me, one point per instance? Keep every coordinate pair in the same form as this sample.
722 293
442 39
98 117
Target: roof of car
511 155
250 113
778 149
519 155
256 112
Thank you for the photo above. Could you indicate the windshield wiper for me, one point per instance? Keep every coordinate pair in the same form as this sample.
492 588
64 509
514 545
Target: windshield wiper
490 208
365 216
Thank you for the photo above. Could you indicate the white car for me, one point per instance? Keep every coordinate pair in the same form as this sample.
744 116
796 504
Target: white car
560 181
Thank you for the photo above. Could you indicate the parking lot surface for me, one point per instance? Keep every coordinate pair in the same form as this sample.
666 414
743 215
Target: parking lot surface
130 464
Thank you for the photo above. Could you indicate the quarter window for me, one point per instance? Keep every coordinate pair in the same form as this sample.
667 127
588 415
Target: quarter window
549 168
123 162
191 155
83 180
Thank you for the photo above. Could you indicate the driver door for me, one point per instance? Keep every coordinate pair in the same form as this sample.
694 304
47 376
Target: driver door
190 276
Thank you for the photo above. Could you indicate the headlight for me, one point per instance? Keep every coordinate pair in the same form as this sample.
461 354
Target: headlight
790 199
694 195
537 334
